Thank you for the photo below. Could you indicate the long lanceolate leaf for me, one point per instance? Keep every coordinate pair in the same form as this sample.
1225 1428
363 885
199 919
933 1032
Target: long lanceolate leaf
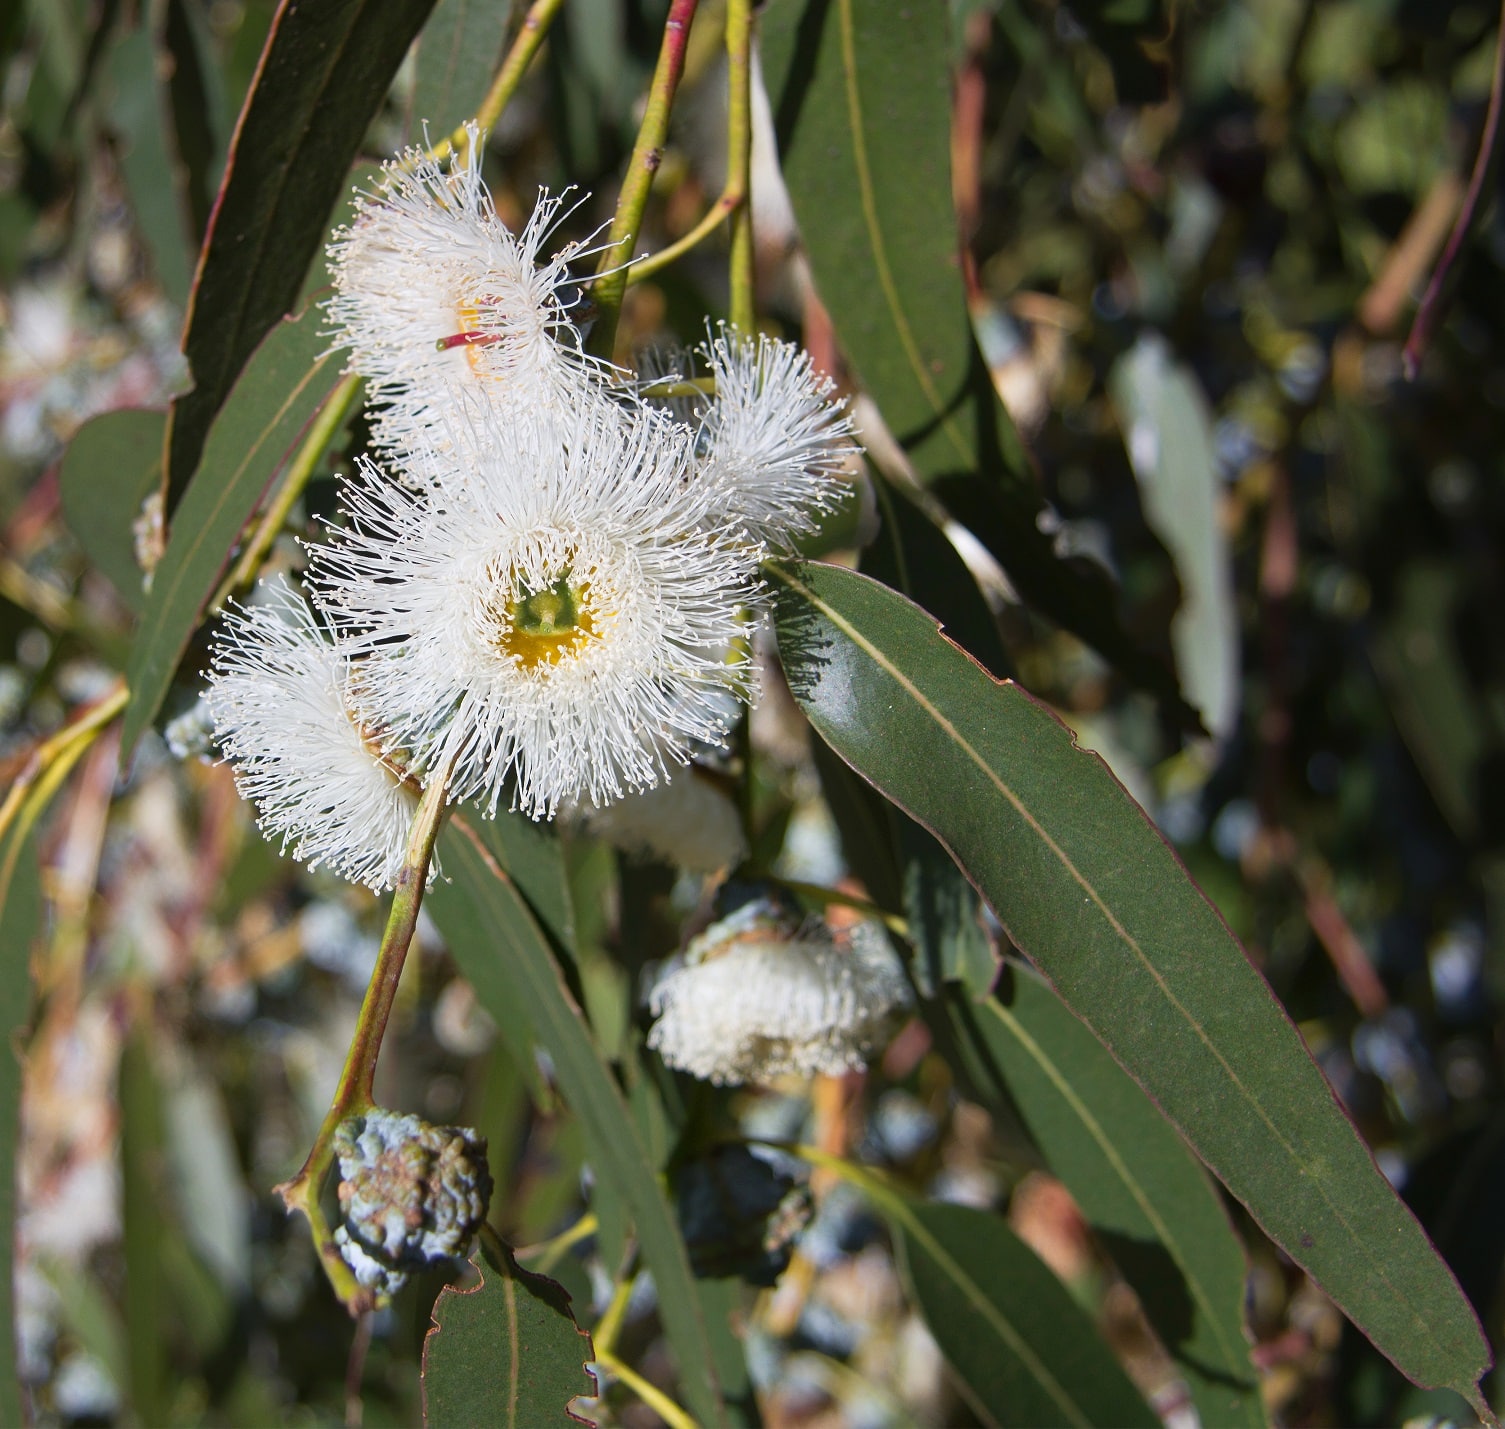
324 72
1144 1194
1086 887
1009 1328
20 922
277 397
861 97
487 922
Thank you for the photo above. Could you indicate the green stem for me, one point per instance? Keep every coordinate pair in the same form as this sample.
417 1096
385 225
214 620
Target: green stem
530 37
63 748
353 1095
739 160
732 202
647 154
650 1394
326 427
550 1252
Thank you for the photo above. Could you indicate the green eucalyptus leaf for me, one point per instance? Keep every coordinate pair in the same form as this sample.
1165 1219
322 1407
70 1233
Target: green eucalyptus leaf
113 463
1167 426
504 1352
138 111
862 110
454 58
277 397
501 948
20 926
323 74
1025 1350
1087 888
1148 1200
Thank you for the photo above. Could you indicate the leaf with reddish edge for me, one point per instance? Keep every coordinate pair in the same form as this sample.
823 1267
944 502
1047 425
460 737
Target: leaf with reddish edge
322 76
505 1351
1089 890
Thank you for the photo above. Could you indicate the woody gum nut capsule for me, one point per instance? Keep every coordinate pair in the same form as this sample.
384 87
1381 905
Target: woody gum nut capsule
411 1195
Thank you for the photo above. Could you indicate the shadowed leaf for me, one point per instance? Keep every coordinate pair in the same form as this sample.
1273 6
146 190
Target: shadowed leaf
323 73
1147 1199
501 949
113 463
862 108
1023 1347
454 58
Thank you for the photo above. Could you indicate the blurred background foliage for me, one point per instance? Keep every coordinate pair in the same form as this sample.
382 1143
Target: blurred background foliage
1195 239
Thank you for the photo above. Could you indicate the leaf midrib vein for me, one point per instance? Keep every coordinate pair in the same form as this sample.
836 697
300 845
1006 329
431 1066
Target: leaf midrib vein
955 735
1130 1181
856 118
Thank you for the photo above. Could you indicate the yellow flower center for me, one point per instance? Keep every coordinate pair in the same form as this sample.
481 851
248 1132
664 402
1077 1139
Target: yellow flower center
548 626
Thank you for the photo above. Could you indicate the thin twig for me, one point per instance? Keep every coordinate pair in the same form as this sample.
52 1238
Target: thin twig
647 154
733 200
1429 314
650 1394
68 743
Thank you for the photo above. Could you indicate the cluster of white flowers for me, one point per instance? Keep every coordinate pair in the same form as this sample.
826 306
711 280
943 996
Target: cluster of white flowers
542 591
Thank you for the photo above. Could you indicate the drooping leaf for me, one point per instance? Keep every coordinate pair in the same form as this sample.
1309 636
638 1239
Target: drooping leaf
282 389
113 463
504 1352
453 62
20 924
1146 1197
1441 717
862 109
1088 889
322 75
489 927
913 555
1023 1347
138 111
1167 428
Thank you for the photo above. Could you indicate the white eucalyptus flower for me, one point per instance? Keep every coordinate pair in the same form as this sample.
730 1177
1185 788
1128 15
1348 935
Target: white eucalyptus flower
279 696
558 622
774 439
753 998
435 295
688 821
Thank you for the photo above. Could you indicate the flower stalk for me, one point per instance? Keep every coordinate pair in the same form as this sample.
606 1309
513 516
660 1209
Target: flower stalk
733 200
647 154
353 1096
